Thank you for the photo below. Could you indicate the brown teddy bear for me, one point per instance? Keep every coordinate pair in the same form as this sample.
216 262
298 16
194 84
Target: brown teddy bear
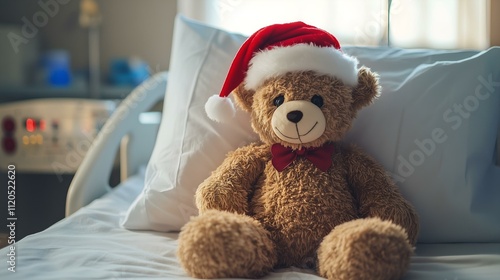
300 197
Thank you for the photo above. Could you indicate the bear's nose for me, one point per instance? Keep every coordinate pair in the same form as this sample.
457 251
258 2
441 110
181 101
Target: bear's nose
294 116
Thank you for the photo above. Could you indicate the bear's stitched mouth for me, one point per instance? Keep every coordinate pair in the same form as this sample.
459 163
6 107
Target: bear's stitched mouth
298 132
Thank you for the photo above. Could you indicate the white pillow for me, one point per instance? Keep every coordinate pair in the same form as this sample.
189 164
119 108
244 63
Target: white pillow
434 129
455 189
189 145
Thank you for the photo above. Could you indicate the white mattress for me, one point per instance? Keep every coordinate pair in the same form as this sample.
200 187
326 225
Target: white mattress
91 245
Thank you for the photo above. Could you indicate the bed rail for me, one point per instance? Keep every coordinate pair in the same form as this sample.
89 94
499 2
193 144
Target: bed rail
91 180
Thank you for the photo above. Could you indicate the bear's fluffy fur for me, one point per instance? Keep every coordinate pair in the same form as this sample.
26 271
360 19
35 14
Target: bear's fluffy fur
349 222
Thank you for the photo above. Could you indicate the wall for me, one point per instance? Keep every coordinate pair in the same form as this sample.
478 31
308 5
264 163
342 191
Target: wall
129 28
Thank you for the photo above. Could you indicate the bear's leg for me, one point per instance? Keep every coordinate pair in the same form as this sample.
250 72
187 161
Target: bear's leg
365 249
220 244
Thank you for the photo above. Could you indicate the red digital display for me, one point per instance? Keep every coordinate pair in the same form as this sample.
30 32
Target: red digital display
30 125
41 125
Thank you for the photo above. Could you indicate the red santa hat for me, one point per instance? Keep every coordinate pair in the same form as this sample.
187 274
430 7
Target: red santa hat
278 49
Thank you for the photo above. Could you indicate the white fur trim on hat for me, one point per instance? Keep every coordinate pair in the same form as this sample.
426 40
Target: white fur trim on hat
220 109
301 57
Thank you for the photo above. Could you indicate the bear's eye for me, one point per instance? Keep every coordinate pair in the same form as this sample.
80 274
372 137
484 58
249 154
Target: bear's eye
279 100
317 100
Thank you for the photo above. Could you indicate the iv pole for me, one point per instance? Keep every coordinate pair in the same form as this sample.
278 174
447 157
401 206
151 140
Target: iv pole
90 18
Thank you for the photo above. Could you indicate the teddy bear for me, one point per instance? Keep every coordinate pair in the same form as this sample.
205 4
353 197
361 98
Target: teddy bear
300 196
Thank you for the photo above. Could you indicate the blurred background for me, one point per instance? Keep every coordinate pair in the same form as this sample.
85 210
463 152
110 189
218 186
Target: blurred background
442 24
65 65
38 37
103 48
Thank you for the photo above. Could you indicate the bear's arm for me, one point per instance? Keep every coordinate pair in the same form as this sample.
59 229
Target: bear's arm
376 193
229 186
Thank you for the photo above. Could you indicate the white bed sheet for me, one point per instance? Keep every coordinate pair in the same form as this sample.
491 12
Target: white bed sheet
91 245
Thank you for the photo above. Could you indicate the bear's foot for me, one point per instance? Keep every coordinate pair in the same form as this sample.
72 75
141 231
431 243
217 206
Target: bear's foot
365 249
220 244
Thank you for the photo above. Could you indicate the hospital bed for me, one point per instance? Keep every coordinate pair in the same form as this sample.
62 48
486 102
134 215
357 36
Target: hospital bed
99 238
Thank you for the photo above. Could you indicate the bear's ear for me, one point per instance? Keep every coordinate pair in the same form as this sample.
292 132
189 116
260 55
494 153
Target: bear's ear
366 90
244 97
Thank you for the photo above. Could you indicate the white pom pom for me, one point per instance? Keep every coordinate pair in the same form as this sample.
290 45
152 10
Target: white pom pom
220 109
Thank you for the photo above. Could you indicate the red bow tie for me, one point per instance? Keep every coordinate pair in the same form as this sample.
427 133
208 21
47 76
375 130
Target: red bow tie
321 157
